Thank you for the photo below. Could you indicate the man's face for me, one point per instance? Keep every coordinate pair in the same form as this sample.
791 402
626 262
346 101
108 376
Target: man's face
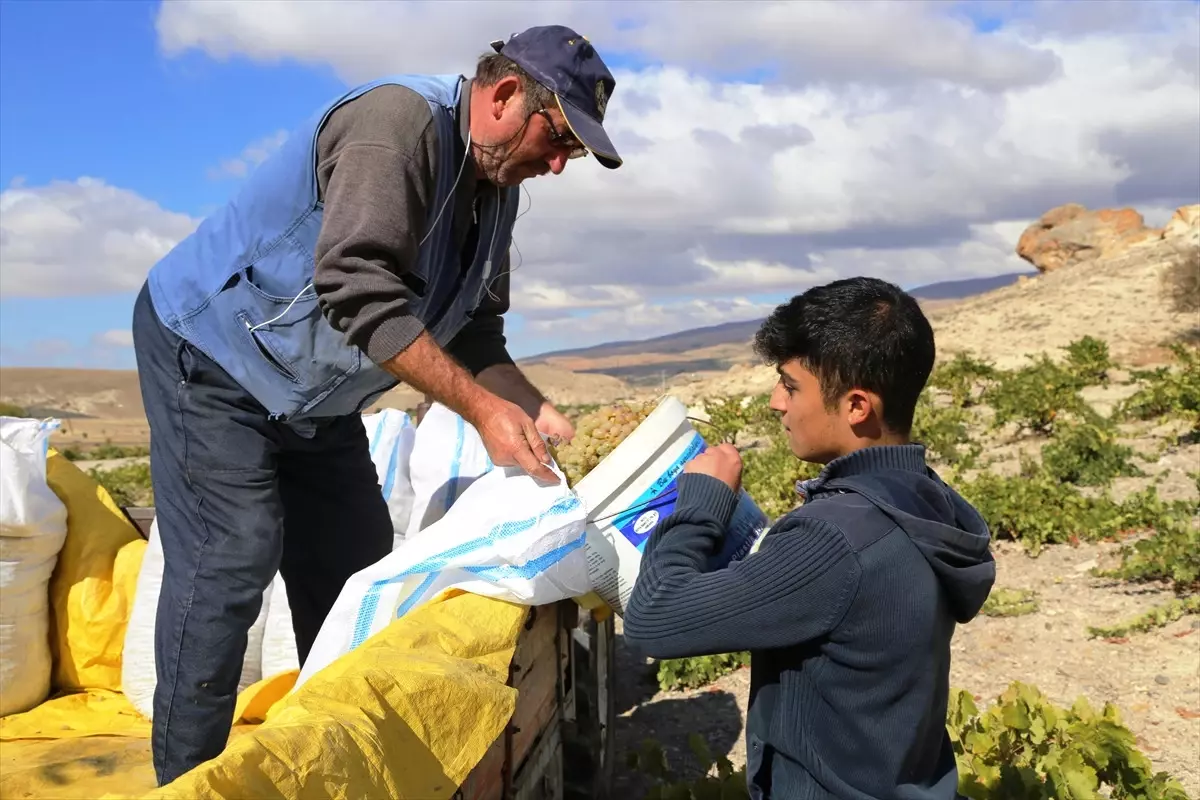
516 144
814 431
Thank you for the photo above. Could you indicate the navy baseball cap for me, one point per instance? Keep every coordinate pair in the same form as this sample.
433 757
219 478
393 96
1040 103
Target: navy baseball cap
566 63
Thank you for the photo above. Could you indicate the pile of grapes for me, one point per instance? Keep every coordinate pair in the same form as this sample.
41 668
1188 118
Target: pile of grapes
596 435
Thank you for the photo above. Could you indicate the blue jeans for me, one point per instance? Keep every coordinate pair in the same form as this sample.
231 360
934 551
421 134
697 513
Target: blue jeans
239 497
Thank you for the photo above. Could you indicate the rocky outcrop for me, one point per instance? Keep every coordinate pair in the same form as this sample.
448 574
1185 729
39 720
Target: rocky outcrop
1071 234
1183 229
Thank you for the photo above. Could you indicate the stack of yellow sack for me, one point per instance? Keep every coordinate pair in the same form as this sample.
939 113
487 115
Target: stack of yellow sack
408 714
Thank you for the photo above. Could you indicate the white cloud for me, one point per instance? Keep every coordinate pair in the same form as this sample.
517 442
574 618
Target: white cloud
81 237
643 320
254 154
888 138
113 339
875 41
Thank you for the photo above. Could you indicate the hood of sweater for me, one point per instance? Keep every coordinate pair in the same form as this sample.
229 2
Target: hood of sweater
947 530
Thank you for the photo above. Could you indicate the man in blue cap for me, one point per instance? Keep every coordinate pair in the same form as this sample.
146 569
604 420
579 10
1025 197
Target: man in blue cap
372 248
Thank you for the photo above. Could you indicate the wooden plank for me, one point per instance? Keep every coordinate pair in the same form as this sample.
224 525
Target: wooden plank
541 777
537 663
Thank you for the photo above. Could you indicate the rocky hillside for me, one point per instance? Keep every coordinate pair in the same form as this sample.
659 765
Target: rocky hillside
1099 272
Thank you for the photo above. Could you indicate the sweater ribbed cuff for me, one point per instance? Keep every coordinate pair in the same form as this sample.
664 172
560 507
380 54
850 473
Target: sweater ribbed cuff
706 493
391 336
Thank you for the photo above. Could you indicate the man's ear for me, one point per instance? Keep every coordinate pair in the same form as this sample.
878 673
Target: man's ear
505 93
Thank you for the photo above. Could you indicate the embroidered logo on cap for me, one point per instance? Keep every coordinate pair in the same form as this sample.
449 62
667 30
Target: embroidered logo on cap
601 99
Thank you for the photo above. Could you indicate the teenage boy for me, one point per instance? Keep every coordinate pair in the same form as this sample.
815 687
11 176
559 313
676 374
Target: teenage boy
849 602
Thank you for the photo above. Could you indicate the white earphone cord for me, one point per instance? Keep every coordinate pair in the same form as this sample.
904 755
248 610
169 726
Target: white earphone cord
432 225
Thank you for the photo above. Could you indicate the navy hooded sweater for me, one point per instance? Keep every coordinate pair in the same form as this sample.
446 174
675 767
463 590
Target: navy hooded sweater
848 606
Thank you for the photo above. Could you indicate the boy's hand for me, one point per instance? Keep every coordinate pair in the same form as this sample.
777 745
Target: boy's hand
722 462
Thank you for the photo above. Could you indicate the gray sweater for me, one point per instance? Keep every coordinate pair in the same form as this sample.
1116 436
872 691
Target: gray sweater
376 158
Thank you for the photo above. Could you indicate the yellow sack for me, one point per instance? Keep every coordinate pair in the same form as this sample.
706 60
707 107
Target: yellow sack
91 589
408 714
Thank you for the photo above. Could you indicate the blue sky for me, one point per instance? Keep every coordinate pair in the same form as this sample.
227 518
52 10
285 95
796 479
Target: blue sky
86 90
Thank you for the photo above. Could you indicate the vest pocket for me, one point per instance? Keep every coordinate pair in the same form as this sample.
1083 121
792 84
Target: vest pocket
265 350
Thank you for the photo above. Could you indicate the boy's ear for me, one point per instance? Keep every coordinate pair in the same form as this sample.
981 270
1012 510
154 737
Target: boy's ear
860 405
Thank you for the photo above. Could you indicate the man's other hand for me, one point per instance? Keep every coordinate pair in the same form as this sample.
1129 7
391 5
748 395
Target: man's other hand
511 438
722 462
553 423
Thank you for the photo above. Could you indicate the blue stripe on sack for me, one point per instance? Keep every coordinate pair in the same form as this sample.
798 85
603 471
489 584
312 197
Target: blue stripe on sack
370 602
530 568
375 436
417 594
455 463
389 479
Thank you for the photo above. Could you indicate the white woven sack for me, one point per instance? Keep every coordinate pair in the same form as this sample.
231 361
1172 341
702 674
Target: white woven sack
138 675
506 536
391 436
33 527
279 652
447 457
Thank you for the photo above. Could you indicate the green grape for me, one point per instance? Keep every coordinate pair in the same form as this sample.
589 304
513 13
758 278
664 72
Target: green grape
597 434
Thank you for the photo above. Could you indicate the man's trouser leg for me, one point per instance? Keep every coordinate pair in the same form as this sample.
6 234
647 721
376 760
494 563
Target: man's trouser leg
234 493
336 521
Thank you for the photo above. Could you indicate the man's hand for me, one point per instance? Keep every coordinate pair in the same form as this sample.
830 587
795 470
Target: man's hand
722 462
511 438
553 423
508 432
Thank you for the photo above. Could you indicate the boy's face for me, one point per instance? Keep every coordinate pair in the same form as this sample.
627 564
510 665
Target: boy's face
812 429
818 433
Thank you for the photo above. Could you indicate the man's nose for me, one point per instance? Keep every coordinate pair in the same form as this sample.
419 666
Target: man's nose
557 162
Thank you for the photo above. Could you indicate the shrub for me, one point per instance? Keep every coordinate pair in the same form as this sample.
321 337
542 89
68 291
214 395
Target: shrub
963 377
1181 283
1157 617
128 484
1165 391
1023 746
943 431
11 410
1036 396
1088 360
1087 453
697 671
1010 603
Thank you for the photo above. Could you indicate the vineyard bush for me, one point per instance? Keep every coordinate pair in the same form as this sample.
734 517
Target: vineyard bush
944 432
1010 603
1088 360
129 484
1087 453
964 378
1167 392
1021 747
696 671
1024 747
1035 396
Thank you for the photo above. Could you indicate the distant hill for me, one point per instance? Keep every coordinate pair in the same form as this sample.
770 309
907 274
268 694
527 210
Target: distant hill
737 333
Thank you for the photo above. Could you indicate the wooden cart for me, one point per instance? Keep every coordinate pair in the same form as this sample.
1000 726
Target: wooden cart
559 744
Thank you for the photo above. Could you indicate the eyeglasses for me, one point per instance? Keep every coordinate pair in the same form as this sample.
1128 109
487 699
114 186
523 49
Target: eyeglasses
561 139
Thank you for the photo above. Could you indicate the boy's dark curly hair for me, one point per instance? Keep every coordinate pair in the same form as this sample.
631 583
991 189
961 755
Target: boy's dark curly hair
857 332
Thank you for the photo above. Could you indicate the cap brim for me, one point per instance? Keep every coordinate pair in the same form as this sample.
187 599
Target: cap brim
590 134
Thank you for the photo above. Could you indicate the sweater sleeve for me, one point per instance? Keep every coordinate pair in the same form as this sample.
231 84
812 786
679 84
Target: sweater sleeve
376 160
796 588
481 342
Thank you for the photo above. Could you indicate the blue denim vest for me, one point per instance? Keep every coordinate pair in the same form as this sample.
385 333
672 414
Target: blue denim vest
240 287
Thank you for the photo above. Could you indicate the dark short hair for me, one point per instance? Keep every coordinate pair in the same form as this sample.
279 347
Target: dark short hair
856 333
493 67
